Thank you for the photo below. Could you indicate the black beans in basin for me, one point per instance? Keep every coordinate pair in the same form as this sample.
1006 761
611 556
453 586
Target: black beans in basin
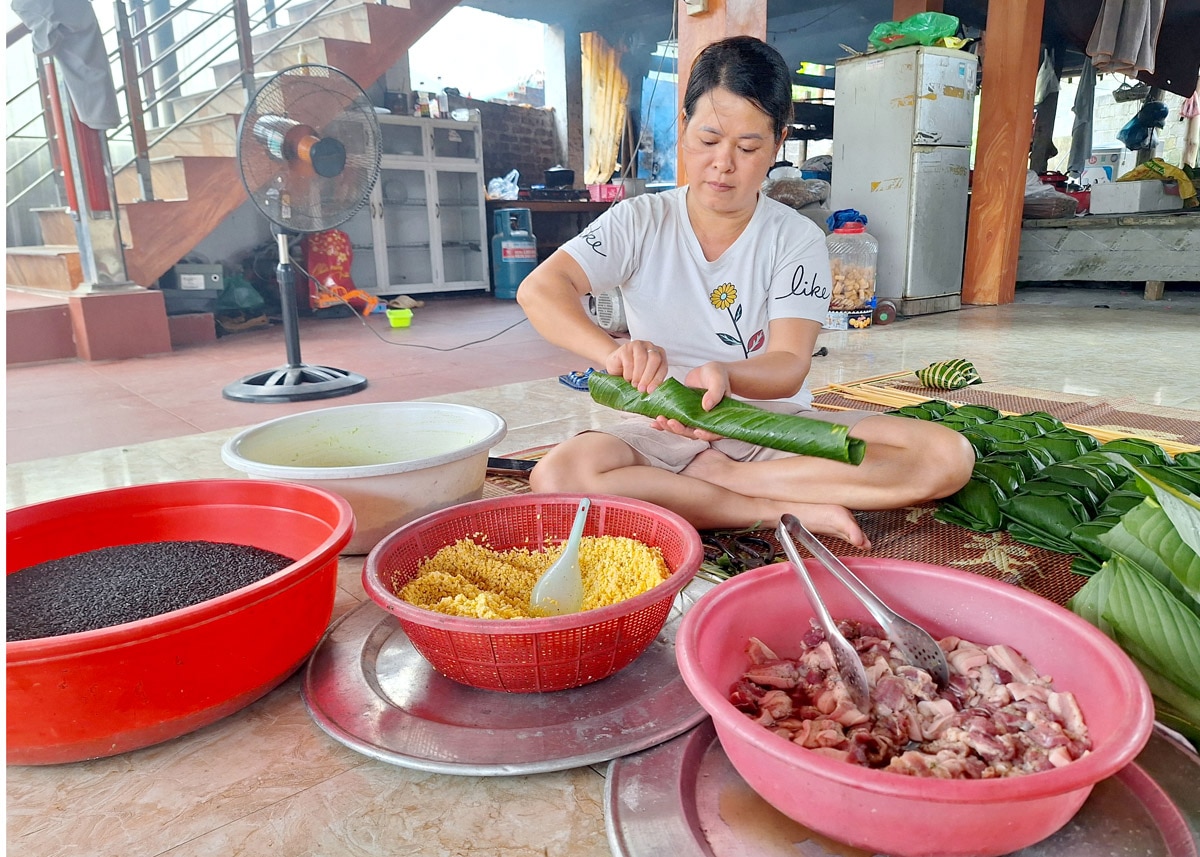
126 583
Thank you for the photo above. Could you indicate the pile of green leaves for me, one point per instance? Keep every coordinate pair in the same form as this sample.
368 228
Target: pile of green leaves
1146 596
1047 484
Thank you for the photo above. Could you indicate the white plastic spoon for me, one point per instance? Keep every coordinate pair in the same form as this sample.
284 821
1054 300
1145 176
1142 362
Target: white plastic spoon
560 588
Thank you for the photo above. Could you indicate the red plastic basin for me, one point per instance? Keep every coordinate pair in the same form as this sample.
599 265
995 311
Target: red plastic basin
108 691
892 813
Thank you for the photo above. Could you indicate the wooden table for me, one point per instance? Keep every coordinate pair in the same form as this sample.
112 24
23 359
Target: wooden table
1152 248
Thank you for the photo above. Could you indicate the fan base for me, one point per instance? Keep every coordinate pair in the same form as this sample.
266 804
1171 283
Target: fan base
295 383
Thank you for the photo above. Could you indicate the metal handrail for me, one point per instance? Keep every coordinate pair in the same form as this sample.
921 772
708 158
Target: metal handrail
177 80
221 89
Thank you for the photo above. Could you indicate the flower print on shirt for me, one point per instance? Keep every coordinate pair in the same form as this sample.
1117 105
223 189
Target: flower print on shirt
724 297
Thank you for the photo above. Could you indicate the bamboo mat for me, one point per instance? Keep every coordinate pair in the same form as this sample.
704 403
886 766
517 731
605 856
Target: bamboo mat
913 534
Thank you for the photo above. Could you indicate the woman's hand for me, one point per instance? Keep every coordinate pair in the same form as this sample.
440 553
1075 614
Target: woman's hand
643 364
713 378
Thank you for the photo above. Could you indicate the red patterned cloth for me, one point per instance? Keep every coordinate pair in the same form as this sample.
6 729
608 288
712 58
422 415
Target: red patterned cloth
327 257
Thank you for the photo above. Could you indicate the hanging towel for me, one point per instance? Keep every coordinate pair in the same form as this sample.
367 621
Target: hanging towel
68 31
1081 127
1125 36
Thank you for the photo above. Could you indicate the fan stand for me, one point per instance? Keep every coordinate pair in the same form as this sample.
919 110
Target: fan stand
297 381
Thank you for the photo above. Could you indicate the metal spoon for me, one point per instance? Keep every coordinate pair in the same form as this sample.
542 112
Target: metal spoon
849 664
560 588
913 641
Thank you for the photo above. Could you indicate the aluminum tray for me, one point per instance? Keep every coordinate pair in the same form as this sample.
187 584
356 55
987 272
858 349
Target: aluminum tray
367 687
684 798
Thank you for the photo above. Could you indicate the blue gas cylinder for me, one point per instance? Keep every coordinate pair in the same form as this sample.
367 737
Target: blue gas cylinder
514 250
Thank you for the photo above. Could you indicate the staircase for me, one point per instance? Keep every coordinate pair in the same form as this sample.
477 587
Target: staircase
197 185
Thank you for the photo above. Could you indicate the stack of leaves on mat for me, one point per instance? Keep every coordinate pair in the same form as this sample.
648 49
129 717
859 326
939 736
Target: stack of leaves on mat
1046 484
1146 594
730 418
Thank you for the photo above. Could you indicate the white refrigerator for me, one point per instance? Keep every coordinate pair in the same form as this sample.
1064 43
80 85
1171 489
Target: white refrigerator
901 155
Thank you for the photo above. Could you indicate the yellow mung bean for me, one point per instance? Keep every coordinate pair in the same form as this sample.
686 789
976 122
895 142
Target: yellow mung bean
470 579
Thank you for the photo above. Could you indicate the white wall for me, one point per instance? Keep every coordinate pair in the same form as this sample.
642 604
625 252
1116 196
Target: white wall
1109 117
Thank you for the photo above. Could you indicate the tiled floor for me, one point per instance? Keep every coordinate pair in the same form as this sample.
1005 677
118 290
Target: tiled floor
453 345
1106 341
267 780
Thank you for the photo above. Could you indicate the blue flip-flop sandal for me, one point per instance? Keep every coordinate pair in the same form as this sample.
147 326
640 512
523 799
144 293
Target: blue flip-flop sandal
577 380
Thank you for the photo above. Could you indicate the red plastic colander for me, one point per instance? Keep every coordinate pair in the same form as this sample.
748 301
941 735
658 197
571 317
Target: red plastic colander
533 655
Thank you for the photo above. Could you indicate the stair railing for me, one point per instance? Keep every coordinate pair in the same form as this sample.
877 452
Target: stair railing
135 64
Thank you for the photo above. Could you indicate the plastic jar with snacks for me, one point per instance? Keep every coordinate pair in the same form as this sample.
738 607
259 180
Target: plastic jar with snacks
852 257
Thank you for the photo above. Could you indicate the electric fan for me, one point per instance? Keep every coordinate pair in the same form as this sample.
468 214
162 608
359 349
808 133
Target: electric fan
609 311
308 151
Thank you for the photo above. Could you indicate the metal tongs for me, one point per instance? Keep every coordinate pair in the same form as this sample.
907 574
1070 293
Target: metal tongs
913 641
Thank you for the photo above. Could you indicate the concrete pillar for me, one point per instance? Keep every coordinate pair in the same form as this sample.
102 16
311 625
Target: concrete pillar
564 93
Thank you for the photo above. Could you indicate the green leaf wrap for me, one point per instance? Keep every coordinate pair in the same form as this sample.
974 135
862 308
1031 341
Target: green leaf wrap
730 418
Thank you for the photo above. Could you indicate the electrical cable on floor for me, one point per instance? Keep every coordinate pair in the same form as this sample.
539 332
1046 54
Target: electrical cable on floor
363 320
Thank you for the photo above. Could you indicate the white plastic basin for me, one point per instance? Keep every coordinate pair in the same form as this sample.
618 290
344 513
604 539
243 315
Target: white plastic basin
393 461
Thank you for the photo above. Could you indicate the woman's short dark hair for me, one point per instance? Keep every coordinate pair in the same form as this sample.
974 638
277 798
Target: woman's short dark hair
748 67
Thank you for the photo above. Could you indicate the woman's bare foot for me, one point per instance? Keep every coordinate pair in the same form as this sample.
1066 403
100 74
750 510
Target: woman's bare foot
828 519
710 465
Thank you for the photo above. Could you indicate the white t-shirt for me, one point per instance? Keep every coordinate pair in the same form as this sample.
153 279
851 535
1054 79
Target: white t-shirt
698 310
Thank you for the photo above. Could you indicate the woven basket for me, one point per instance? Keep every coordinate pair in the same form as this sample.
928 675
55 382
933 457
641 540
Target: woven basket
544 654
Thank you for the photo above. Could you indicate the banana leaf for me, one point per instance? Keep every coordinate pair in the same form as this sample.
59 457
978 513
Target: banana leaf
1139 450
730 418
1059 446
1040 456
949 374
915 412
1086 536
1088 442
975 506
1085 565
1073 473
1082 493
1181 477
1044 520
1007 477
937 407
979 413
984 436
1048 421
981 443
1097 460
1022 461
958 421
1147 536
1030 427
1121 501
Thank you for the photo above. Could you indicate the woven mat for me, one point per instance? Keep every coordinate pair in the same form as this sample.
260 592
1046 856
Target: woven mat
913 534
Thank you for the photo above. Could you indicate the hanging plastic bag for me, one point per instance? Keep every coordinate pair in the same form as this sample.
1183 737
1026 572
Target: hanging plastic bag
923 28
1139 132
504 188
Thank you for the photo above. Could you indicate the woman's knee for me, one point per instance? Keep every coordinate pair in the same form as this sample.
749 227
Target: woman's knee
550 476
951 460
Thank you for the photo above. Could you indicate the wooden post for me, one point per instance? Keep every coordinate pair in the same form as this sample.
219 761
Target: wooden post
1012 51
723 18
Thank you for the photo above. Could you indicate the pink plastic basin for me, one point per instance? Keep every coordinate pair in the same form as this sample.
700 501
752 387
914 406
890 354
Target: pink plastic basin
893 813
111 690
